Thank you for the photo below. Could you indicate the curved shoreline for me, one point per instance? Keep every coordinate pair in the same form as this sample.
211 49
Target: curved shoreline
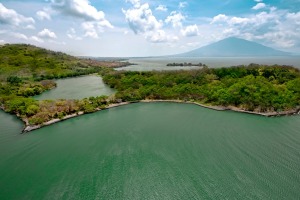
29 128
231 108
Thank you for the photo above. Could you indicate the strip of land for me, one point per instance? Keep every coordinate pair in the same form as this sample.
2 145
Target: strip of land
185 64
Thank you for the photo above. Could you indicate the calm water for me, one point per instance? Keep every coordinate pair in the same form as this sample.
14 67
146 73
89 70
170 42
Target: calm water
159 63
77 88
152 151
149 151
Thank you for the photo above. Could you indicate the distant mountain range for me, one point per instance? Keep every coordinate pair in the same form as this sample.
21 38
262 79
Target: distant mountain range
233 47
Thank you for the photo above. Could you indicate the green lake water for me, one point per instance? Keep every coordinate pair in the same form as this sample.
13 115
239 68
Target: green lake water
149 151
77 88
152 151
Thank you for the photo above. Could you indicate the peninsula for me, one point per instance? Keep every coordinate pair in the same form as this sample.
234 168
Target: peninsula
28 70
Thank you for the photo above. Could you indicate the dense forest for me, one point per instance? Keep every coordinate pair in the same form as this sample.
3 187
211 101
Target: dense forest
252 88
26 71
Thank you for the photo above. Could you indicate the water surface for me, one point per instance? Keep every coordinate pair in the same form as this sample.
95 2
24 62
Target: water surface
159 63
153 151
77 88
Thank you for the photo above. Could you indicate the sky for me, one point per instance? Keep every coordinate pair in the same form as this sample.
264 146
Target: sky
133 28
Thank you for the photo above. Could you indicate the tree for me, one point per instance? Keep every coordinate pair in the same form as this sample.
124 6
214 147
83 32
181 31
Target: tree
32 109
14 80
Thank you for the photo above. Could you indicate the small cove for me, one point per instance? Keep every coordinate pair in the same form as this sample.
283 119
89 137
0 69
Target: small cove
77 88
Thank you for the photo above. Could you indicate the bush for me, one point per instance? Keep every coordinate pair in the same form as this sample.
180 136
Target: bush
14 80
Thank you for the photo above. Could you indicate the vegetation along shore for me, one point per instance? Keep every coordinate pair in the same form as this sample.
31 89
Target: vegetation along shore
27 71
254 88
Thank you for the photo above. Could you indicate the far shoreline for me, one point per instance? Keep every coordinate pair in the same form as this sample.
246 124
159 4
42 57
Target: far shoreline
28 128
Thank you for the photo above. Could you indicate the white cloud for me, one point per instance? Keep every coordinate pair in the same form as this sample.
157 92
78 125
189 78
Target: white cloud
36 39
275 27
42 15
135 3
47 34
175 18
57 43
259 6
273 8
240 20
3 31
22 36
141 19
281 39
295 17
90 30
193 44
161 36
254 20
81 9
29 26
2 42
182 4
161 8
72 34
230 32
11 17
19 36
94 20
219 18
190 31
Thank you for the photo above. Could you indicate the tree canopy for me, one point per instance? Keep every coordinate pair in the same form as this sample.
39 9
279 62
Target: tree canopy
253 88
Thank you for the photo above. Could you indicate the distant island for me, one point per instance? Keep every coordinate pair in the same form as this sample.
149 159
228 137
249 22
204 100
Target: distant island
27 71
233 47
185 64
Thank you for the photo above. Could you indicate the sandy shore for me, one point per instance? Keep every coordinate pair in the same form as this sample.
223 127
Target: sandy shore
29 127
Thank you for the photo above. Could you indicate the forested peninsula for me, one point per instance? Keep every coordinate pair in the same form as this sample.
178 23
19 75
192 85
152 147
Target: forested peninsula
27 70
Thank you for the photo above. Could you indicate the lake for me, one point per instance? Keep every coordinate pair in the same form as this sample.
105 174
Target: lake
77 88
159 63
153 151
149 151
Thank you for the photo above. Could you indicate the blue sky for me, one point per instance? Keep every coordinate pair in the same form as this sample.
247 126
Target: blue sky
147 27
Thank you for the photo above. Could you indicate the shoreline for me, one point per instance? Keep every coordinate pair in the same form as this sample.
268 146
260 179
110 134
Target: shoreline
231 108
27 128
